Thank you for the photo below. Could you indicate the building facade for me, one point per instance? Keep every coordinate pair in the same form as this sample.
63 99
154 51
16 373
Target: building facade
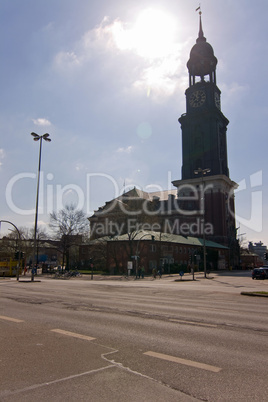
168 252
260 249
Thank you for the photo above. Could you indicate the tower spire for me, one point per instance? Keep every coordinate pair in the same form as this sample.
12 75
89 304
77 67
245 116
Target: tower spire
201 37
202 61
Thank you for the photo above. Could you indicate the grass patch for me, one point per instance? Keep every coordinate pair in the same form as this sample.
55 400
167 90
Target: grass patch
264 294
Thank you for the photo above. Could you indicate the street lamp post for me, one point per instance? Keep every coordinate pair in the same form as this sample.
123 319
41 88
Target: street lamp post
203 173
37 138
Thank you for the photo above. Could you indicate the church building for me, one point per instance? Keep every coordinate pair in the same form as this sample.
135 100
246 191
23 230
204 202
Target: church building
202 202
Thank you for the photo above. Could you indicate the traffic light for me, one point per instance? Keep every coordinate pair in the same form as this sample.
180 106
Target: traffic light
18 255
266 256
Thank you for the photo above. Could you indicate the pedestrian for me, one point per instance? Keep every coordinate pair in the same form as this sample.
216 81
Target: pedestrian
154 272
142 272
160 273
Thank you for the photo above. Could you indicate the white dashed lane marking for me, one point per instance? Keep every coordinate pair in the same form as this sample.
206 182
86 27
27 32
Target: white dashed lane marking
3 317
73 334
191 363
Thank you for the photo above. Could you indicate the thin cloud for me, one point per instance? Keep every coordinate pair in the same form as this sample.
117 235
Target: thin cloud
41 122
161 63
116 45
126 150
67 59
2 155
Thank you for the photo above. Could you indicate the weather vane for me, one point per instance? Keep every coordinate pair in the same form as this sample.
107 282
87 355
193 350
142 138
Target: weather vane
199 8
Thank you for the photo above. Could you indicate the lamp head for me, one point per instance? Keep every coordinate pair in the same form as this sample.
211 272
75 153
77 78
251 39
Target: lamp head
36 136
45 136
203 171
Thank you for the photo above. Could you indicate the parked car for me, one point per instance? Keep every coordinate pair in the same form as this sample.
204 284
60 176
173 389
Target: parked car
265 268
259 273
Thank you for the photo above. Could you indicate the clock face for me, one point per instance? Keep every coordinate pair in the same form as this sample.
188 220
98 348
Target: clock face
197 98
217 100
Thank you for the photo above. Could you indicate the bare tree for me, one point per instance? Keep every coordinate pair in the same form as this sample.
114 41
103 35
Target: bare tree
10 241
69 225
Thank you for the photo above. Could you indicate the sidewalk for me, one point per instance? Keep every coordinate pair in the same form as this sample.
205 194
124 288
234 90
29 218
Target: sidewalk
165 277
239 282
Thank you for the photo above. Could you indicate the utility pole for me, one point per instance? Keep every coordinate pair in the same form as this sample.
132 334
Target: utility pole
203 173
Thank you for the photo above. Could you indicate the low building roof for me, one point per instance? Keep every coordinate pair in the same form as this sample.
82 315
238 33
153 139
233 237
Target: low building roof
138 194
168 237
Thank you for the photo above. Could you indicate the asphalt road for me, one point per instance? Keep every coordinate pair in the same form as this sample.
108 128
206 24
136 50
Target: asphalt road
134 340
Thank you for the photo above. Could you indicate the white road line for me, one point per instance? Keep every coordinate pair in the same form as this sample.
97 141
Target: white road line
36 386
73 334
194 323
3 317
191 363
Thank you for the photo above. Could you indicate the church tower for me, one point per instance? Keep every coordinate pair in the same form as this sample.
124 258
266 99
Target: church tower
203 126
205 192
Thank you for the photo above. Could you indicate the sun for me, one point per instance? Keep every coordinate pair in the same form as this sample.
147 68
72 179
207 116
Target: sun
154 33
151 36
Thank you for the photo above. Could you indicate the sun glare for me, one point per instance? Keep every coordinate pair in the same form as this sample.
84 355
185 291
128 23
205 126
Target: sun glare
152 36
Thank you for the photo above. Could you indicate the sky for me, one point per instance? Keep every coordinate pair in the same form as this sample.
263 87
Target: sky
107 79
